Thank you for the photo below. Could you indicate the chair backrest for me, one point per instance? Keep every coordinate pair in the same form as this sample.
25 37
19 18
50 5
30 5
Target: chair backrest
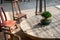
2 15
15 7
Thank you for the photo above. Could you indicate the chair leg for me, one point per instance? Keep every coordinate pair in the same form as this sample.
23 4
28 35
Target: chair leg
10 30
16 26
36 7
25 16
5 36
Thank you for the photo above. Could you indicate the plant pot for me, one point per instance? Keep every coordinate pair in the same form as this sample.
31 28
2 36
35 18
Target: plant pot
45 22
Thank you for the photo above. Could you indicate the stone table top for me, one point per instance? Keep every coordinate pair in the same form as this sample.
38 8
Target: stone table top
32 27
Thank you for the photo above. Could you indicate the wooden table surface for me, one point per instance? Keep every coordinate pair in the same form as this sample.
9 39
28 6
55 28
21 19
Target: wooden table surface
32 27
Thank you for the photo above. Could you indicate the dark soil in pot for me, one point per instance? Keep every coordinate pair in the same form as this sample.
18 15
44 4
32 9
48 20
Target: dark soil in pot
45 22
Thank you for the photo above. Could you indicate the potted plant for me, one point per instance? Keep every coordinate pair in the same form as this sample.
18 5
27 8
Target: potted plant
46 15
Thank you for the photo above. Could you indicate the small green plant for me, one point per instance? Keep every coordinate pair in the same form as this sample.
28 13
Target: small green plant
46 15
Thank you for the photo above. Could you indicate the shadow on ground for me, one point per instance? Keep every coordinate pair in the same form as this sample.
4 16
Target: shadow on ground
23 36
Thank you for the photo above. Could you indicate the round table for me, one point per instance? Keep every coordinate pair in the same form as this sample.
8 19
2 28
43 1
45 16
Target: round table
33 28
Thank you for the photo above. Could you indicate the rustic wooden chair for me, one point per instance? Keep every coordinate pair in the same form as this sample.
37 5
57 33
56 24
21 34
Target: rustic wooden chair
10 24
17 15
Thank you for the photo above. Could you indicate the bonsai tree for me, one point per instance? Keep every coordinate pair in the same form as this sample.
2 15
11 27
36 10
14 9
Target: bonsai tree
46 15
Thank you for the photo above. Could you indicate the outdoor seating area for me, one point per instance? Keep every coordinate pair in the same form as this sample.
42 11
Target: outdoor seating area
29 19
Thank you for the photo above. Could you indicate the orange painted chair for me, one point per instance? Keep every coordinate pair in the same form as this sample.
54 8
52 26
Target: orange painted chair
10 24
17 15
